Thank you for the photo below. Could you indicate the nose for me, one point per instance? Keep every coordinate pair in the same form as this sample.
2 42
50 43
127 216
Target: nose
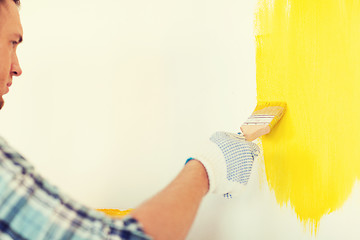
15 67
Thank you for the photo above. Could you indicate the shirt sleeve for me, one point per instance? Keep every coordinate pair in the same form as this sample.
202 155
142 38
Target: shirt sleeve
31 208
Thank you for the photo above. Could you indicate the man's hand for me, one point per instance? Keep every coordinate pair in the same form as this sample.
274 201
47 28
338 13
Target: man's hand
228 160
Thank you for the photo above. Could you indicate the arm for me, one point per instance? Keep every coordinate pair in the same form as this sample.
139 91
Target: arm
32 208
170 213
222 166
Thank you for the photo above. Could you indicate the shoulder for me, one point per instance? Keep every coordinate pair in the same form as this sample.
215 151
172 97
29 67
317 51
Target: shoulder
11 159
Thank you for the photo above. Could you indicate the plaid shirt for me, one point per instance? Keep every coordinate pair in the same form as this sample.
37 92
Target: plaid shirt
31 208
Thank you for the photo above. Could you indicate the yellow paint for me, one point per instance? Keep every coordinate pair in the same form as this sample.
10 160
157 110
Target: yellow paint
308 55
115 213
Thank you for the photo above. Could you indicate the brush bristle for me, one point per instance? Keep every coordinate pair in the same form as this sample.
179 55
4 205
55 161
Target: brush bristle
262 105
276 109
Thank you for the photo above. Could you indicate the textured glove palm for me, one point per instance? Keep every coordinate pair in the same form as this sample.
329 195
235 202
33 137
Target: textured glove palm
228 160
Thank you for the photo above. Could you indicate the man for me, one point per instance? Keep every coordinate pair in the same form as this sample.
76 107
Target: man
11 36
31 208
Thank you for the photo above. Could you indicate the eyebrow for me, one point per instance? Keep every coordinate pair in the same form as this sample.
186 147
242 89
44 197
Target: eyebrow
20 37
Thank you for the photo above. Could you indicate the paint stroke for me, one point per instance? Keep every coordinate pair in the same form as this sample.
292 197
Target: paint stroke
308 55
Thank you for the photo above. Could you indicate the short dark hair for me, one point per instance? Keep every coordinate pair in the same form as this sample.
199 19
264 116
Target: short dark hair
17 2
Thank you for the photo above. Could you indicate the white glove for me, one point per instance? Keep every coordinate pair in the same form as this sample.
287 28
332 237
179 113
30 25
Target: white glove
228 160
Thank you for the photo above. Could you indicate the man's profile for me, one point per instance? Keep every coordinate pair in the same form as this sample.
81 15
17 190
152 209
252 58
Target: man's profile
11 36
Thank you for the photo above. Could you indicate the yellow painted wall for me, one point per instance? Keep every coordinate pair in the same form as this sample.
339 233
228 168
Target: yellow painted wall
308 54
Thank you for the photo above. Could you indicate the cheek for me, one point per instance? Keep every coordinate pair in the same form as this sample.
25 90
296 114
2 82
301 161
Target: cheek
5 56
5 66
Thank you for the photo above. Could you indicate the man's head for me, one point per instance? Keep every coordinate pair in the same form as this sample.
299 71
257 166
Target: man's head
10 36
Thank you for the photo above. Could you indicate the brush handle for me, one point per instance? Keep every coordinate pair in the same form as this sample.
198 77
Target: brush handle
252 132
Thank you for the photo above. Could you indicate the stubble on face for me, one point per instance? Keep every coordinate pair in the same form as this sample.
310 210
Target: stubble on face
2 102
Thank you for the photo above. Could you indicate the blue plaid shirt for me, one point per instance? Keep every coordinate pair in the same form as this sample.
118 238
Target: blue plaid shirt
31 208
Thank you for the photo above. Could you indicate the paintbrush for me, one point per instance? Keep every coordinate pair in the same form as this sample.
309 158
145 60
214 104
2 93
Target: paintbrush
263 119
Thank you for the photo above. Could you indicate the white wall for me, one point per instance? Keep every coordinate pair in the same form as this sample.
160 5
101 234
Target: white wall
114 94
